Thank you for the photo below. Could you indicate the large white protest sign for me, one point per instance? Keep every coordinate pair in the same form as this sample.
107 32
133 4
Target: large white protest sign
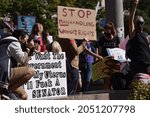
50 79
76 23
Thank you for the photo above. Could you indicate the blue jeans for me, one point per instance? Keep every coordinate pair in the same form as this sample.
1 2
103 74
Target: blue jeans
74 81
86 76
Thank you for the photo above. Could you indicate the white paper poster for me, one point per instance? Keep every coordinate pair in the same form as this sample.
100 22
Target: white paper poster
50 79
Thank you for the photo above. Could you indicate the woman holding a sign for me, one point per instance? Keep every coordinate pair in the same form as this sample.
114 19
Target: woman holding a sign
108 40
72 51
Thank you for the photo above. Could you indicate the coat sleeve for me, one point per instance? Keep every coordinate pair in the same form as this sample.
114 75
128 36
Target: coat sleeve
16 52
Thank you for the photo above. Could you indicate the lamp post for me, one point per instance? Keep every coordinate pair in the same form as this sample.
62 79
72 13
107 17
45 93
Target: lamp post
114 13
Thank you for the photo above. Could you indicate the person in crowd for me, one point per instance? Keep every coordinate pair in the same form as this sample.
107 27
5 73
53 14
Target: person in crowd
13 77
108 40
72 52
38 36
54 47
137 48
85 65
22 37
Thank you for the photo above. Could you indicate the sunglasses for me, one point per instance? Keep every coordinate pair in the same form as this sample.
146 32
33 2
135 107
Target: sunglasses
140 23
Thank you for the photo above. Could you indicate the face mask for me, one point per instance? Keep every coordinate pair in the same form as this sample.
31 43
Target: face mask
107 34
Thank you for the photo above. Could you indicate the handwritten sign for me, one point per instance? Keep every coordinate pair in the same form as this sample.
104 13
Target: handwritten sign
104 69
76 23
50 79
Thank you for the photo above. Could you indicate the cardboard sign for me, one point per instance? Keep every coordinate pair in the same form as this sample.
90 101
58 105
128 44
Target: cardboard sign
50 79
76 23
104 69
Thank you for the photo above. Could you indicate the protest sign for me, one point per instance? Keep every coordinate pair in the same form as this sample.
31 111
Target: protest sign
102 23
76 23
104 69
118 54
50 78
26 23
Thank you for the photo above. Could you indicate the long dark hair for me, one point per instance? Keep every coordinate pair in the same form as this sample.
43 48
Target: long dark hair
110 25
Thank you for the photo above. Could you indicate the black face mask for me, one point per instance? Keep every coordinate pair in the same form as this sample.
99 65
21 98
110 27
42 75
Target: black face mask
107 34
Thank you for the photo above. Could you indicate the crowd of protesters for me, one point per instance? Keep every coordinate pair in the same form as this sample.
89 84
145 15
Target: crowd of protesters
16 48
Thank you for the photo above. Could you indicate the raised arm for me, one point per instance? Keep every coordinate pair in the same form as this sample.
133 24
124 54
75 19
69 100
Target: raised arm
132 16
